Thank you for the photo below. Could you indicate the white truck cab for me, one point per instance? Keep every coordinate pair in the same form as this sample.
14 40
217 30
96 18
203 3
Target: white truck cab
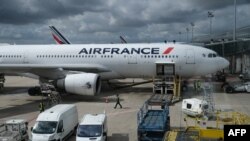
194 107
56 123
92 127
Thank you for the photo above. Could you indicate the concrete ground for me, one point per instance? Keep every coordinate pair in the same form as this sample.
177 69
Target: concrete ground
122 123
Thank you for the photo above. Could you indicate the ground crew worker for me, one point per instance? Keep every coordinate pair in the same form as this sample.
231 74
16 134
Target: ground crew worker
195 86
198 85
41 107
118 101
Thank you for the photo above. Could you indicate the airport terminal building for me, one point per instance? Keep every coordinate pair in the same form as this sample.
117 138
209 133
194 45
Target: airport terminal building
236 51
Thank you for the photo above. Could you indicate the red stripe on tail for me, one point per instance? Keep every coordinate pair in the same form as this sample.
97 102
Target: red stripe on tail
57 40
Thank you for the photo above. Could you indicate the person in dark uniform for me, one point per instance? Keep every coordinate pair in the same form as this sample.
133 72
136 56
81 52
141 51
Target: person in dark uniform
41 107
118 101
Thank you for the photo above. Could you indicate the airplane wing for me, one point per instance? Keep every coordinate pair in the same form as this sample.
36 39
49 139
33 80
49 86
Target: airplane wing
53 71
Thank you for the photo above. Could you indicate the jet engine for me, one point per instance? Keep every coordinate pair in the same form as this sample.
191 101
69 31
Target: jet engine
82 84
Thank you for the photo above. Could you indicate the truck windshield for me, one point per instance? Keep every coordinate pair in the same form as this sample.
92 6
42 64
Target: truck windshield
45 127
89 131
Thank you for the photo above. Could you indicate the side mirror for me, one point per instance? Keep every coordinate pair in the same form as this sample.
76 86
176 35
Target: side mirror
60 130
31 128
104 134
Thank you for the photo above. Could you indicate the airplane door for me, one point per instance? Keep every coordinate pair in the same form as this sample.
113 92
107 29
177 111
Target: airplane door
190 56
1 58
132 59
25 58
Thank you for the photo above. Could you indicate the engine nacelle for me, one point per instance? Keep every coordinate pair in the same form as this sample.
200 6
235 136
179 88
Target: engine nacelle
82 84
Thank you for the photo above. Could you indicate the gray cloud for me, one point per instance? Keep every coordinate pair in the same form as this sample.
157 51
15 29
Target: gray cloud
103 21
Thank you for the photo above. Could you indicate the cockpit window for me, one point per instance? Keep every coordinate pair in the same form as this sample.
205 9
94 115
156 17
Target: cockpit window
212 55
204 55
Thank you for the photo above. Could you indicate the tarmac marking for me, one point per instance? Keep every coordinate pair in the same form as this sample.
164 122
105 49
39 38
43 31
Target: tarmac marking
124 112
29 120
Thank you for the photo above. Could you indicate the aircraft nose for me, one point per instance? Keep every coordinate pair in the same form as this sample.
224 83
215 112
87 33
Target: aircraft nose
223 63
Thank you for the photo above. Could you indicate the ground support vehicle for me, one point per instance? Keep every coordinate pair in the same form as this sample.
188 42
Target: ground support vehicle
92 127
238 87
153 121
57 123
14 130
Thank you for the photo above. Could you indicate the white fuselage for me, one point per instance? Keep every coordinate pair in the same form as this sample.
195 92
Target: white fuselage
120 60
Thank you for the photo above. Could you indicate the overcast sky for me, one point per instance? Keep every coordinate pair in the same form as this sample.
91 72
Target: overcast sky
103 21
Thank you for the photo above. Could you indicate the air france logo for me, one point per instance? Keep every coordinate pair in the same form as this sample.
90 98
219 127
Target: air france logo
168 50
154 50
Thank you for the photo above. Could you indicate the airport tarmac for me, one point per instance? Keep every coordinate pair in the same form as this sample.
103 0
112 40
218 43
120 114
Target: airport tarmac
122 123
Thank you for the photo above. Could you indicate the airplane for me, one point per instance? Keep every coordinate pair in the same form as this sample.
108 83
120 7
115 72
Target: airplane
79 69
58 37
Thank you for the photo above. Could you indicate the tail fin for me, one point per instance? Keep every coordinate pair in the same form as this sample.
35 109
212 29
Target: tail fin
123 40
58 37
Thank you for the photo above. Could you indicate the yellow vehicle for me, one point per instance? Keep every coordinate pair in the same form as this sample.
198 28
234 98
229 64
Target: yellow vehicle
195 134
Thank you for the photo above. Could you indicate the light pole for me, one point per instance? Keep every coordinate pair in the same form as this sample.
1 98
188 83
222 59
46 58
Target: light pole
179 36
210 15
187 29
234 36
192 24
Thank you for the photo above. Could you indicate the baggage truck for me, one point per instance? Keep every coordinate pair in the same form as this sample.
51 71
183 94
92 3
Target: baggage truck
153 121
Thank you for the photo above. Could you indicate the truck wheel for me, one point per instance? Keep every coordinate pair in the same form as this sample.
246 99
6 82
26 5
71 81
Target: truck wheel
229 90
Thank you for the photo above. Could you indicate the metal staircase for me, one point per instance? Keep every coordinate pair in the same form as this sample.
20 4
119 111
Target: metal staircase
208 97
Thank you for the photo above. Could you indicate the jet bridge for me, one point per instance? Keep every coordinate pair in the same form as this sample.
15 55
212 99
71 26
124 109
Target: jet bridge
167 82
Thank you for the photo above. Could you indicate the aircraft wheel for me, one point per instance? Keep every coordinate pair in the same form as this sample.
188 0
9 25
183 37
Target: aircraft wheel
229 89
